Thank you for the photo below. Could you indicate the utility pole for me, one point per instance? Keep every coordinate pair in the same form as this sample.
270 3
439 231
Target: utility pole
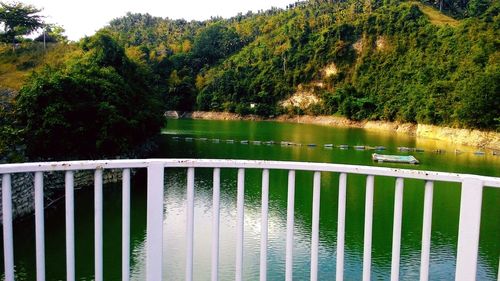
44 43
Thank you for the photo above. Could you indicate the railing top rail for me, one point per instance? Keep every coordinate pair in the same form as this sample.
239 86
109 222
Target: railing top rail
249 164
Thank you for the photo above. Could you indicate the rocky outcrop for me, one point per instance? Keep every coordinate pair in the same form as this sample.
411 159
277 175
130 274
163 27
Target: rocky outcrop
302 98
482 139
172 114
207 115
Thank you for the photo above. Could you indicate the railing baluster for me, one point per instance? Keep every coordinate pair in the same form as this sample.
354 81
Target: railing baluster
126 225
98 224
498 271
341 226
290 225
396 229
315 226
189 224
426 231
154 242
8 240
70 226
215 223
468 230
39 227
240 224
264 222
468 237
367 248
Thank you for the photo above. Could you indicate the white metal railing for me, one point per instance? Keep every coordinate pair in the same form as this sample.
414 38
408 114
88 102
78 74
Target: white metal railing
468 236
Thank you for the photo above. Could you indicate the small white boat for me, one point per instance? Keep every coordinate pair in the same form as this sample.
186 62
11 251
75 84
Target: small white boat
409 159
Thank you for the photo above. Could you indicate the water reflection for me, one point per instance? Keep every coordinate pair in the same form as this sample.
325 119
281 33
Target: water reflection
446 196
444 227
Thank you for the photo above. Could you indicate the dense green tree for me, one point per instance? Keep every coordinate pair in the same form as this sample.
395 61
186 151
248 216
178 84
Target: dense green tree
18 19
462 8
214 43
9 133
477 8
479 105
99 105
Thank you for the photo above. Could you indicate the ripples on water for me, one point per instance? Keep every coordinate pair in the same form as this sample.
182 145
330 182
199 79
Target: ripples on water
442 265
444 225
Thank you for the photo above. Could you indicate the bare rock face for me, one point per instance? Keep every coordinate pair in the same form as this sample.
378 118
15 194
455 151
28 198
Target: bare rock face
302 99
382 43
358 46
330 70
482 139
171 114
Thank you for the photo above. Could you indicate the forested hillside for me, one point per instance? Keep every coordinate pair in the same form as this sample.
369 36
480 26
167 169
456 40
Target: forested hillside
365 60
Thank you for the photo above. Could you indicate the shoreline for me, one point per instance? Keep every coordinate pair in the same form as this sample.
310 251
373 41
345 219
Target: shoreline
467 137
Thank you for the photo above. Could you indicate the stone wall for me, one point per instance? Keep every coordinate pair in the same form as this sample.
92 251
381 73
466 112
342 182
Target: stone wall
23 188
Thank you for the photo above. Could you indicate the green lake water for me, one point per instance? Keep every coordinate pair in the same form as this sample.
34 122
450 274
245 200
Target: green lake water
175 145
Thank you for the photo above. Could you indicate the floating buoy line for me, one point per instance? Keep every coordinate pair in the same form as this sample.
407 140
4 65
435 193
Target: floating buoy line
328 145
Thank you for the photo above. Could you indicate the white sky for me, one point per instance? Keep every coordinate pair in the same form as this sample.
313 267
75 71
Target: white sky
84 17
